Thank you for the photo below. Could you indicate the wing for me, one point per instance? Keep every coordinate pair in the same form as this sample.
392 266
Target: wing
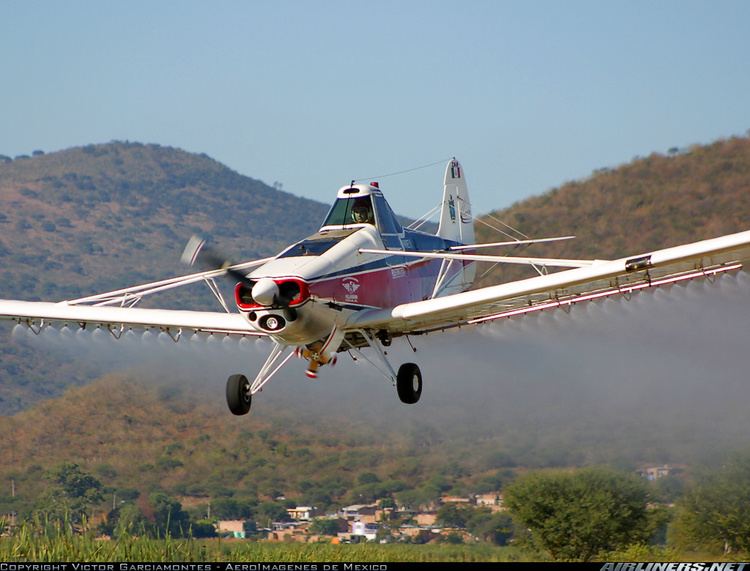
96 310
561 289
37 313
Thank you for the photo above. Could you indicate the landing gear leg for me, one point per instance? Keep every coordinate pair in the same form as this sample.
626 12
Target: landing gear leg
408 380
239 389
321 352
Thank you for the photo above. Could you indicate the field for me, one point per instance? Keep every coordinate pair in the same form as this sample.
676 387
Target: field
26 546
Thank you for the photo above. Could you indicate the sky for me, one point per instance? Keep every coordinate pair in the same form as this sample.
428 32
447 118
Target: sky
527 95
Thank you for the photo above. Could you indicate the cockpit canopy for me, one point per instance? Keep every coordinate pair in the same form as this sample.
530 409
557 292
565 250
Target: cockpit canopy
361 204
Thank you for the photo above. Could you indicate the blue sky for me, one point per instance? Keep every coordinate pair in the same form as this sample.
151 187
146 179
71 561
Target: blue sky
527 95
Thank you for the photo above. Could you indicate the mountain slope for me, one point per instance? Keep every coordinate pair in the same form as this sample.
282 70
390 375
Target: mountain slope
97 218
650 203
102 216
529 393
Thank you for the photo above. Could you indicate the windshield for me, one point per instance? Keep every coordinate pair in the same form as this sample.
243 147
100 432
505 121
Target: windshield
309 248
350 211
316 244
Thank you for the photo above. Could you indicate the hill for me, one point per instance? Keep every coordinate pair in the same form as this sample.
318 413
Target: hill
542 391
650 203
180 440
92 217
95 218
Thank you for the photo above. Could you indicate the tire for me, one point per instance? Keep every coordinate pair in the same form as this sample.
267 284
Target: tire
409 383
239 398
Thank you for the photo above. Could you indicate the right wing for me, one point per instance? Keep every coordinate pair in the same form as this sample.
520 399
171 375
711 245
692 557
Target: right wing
562 289
97 310
116 319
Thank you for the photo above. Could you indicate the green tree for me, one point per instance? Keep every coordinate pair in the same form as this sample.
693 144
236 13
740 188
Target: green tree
202 528
269 512
169 517
495 528
125 521
368 478
714 512
323 526
72 495
452 515
577 515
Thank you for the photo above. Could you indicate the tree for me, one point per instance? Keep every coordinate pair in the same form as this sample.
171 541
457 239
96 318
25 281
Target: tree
323 526
714 512
495 528
169 517
269 512
451 515
368 478
72 495
577 515
124 521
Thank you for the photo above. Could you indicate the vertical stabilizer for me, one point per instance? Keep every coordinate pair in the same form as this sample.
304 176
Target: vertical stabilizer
456 222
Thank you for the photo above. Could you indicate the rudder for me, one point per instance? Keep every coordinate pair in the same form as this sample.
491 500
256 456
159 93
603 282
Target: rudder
456 222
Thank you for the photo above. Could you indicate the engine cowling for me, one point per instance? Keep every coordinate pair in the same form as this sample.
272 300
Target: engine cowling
271 293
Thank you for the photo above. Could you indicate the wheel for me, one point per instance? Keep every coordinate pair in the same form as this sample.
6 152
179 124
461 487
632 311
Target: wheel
239 398
409 383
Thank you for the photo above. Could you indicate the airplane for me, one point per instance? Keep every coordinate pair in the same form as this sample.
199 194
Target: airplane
363 280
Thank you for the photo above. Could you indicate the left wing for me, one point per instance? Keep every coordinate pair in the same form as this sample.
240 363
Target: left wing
561 289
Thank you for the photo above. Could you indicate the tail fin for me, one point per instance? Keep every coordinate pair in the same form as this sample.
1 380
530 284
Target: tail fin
456 222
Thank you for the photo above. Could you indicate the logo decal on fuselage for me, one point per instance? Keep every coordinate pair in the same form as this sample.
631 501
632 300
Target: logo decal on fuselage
351 285
398 272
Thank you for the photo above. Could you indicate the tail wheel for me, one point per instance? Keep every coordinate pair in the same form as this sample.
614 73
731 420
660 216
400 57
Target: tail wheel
239 398
409 383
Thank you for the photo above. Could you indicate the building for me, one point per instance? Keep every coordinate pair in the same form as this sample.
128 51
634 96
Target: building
359 511
426 519
455 500
652 473
367 530
235 527
492 500
301 513
289 531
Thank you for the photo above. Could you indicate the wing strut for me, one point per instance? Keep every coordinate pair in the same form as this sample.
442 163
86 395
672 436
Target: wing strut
270 367
383 366
442 274
563 263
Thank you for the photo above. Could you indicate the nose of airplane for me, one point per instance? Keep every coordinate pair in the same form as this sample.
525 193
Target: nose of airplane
265 291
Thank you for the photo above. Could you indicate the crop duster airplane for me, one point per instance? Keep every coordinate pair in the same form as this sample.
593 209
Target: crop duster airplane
363 279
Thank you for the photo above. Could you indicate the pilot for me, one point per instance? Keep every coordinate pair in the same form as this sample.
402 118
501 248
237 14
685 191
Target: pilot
362 212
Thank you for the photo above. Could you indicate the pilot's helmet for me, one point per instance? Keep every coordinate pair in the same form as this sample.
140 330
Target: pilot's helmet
362 211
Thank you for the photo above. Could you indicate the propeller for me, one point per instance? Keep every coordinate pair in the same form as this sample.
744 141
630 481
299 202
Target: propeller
197 253
264 291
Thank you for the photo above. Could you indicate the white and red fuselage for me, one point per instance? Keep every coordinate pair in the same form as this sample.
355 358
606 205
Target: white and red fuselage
317 284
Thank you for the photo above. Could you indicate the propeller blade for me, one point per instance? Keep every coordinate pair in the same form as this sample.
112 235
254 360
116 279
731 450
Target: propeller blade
197 253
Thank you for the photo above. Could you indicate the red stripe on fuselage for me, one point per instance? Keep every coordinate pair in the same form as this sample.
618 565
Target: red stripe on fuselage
384 287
